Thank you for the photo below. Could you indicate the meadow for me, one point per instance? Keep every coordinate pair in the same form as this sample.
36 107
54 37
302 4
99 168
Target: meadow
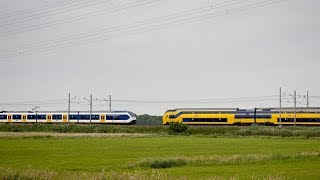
157 156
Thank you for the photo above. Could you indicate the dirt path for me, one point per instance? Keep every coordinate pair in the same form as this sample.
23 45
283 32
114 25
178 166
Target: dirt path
43 134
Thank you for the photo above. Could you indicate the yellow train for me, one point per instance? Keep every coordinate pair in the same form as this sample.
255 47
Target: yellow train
236 116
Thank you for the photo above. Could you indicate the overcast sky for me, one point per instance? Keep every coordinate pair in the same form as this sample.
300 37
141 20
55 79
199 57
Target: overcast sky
230 55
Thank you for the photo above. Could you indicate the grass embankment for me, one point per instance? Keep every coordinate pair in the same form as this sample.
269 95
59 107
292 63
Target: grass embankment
164 157
80 128
285 131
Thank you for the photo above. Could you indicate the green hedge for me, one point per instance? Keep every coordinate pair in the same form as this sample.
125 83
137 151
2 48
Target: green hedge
80 128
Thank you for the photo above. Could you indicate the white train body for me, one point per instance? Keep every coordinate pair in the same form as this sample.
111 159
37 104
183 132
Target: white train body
112 117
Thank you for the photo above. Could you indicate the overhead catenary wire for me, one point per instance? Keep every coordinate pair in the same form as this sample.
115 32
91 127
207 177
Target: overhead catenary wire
76 18
46 6
31 16
61 101
128 26
99 103
146 29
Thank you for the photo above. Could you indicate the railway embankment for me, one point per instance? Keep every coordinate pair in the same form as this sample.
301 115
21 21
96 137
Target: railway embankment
214 131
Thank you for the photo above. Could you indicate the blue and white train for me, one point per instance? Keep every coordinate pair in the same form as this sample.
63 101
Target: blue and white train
101 117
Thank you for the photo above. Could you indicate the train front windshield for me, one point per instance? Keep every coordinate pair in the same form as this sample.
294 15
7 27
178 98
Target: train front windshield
132 114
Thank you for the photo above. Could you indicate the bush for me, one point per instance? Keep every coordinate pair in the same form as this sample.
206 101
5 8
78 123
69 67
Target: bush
147 120
176 128
169 162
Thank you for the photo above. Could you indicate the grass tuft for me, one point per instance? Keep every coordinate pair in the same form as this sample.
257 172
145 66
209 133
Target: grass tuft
39 174
170 162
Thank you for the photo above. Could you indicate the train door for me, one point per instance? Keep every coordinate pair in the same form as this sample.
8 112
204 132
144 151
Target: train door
64 118
103 118
9 117
49 118
24 118
237 120
267 120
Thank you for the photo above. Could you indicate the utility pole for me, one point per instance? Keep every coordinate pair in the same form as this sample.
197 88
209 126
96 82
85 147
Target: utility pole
35 110
109 102
255 115
69 101
307 99
280 110
295 106
90 107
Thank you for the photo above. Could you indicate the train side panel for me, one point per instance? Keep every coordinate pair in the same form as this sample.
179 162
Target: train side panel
301 119
116 117
240 117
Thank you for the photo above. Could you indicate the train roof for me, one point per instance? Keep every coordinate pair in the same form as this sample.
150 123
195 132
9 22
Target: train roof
284 109
65 112
203 109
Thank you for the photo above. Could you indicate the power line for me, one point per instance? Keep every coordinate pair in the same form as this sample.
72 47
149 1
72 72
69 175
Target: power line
35 9
126 26
77 18
83 103
122 27
146 29
83 100
83 35
50 13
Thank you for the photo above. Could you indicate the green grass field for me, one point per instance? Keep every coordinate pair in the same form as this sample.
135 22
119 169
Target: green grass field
159 157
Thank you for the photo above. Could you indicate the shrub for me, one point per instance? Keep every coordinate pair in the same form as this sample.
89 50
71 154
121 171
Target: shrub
176 128
169 162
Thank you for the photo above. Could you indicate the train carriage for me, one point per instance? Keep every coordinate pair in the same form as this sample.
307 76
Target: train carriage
111 117
236 116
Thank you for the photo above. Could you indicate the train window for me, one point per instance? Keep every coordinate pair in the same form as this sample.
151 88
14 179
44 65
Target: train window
16 116
42 116
56 116
247 116
95 117
72 117
117 117
124 117
3 116
31 116
86 117
186 119
172 116
298 120
204 120
224 119
82 117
